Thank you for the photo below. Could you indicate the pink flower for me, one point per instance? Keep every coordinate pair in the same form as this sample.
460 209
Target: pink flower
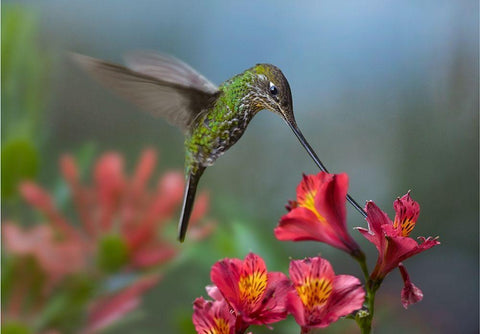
319 213
120 223
411 294
255 295
119 205
320 297
213 317
56 257
392 238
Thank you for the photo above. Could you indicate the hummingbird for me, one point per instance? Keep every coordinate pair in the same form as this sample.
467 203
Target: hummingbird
213 118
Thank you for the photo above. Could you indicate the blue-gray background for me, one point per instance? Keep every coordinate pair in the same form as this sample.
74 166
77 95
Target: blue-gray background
386 91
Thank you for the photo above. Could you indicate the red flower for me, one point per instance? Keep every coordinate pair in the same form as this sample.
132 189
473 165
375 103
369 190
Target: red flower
319 213
392 238
213 317
115 204
119 228
35 282
411 294
255 295
320 297
56 257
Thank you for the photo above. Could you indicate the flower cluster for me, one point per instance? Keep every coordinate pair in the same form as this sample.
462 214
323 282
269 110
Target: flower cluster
245 293
392 238
100 260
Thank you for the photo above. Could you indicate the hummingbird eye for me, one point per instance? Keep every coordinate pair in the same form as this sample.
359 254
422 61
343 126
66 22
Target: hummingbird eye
273 89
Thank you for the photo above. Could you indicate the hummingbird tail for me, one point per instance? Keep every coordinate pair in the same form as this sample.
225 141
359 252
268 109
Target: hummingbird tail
188 200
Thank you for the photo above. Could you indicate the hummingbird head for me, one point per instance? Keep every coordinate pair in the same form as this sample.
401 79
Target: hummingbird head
273 91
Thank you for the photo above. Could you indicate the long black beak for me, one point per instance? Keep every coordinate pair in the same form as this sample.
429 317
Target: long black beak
317 161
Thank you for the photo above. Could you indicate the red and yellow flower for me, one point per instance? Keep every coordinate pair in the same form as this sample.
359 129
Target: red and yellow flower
256 296
319 296
392 238
319 213
213 317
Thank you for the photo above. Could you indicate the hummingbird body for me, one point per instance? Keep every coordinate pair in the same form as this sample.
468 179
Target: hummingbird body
217 128
212 118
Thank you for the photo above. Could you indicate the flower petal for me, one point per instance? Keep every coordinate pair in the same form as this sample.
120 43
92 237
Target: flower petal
256 296
320 297
376 218
411 294
80 195
296 308
143 171
301 224
110 183
225 274
152 255
213 317
213 292
330 202
272 307
40 199
347 296
331 199
407 211
107 310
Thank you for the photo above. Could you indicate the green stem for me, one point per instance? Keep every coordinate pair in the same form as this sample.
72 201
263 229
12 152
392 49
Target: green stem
363 265
364 317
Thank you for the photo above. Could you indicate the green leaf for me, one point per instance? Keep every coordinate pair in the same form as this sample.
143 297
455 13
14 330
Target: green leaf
66 309
20 161
15 327
112 254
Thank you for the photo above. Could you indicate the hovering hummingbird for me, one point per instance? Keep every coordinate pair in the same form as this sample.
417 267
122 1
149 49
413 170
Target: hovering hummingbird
212 118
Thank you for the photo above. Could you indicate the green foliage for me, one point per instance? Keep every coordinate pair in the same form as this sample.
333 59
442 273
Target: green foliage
24 76
14 327
20 161
66 309
112 254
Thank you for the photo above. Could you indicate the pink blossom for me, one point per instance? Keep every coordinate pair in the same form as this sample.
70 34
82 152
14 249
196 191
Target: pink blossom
319 296
213 317
255 295
392 238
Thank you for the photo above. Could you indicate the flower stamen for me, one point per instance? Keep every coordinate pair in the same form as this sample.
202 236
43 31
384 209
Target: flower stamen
314 292
253 286
406 226
221 326
307 201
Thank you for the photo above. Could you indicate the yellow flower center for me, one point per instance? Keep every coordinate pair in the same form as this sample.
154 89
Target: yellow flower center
252 286
314 292
308 202
221 327
406 226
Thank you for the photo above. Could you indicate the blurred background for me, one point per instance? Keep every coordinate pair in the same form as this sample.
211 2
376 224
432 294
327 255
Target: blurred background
386 91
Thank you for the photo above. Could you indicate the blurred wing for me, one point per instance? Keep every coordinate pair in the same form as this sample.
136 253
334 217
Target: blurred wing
177 102
168 68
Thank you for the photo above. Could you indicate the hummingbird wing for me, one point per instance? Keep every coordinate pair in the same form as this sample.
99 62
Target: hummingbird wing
168 68
170 89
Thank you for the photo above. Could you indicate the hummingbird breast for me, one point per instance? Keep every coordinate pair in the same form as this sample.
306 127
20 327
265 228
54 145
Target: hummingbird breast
216 130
